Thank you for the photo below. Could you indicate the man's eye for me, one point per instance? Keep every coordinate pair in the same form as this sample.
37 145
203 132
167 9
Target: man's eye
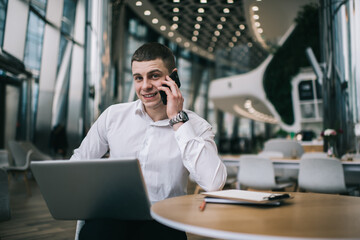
155 76
137 78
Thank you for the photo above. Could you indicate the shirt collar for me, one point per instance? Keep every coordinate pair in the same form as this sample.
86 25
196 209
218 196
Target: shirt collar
139 109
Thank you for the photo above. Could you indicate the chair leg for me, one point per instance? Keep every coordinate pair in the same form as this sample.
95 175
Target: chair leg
197 189
28 190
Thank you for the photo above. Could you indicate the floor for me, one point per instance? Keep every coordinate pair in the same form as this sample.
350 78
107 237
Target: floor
31 219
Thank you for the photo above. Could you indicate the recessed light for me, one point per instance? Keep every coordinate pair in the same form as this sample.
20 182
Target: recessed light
238 33
155 20
147 12
170 34
210 49
194 39
187 44
219 26
162 27
226 10
199 19
242 26
249 44
174 26
203 1
231 44
217 33
230 1
178 39
176 1
255 8
260 30
257 24
234 39
138 3
201 10
197 26
223 19
214 39
175 18
176 10
196 32
256 17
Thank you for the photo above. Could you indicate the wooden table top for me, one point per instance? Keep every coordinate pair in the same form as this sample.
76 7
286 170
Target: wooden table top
307 215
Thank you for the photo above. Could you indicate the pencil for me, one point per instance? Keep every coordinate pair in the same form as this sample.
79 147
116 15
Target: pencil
202 206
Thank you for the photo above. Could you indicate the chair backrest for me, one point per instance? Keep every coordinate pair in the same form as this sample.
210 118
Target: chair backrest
290 148
18 153
271 154
314 155
4 157
256 172
322 175
36 153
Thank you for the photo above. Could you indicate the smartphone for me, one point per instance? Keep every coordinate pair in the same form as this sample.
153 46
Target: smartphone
174 76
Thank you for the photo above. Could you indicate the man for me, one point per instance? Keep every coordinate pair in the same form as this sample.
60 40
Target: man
169 142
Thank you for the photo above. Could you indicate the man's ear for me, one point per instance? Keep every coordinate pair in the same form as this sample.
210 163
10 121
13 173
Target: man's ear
175 69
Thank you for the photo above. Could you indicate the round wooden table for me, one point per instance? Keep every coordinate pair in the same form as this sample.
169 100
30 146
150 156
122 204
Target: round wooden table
307 215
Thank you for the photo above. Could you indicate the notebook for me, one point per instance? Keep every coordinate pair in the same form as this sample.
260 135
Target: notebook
93 189
234 196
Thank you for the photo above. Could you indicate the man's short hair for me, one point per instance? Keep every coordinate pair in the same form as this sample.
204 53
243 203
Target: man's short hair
152 51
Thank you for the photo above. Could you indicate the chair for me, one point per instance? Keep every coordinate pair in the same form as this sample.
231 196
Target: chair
290 148
23 153
322 175
271 154
314 155
4 158
258 173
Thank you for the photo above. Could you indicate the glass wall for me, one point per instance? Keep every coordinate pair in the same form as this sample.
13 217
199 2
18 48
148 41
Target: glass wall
3 5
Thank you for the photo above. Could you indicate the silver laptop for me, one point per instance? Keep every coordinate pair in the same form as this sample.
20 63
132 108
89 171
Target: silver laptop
93 189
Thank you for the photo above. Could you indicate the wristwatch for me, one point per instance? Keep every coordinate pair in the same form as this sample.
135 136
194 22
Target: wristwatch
180 117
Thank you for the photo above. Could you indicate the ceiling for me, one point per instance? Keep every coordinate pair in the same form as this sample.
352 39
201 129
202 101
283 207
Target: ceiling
239 32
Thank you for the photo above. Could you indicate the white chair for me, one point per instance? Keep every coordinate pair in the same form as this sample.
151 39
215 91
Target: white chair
290 148
258 173
314 155
322 175
4 158
271 154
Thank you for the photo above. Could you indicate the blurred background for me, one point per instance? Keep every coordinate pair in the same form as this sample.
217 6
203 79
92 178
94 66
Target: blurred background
255 69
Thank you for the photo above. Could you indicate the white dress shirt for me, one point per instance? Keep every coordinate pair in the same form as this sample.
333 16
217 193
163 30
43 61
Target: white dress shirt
166 156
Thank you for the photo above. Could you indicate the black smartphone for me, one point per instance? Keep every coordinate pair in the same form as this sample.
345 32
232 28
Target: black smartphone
174 76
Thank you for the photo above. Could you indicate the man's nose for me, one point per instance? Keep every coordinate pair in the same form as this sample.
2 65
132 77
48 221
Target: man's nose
147 84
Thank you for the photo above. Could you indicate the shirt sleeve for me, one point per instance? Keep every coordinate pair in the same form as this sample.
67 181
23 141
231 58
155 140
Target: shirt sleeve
200 156
95 144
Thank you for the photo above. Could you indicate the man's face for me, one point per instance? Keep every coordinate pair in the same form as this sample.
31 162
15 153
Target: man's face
147 76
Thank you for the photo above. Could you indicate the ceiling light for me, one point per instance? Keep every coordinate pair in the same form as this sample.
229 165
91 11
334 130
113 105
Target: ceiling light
219 26
203 1
217 33
199 19
170 34
147 12
260 30
194 39
256 17
155 21
255 8
249 44
176 1
242 26
223 19
178 39
214 39
230 1
257 24
176 10
231 44
210 49
138 3
175 18
238 33
196 33
162 27
234 39
174 26
187 44
197 26
226 10
201 10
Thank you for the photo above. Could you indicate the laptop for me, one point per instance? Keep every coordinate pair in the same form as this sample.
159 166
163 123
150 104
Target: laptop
93 189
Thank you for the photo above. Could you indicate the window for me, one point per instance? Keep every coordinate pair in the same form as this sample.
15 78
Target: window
3 5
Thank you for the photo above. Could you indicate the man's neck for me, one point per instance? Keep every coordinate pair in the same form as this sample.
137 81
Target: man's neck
157 114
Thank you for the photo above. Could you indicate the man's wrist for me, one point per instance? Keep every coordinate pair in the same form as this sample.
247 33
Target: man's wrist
181 117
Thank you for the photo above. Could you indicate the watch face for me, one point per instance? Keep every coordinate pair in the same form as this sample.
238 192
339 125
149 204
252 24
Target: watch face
183 116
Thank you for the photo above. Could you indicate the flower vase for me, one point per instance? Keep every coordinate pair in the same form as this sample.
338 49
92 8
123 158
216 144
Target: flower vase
331 148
